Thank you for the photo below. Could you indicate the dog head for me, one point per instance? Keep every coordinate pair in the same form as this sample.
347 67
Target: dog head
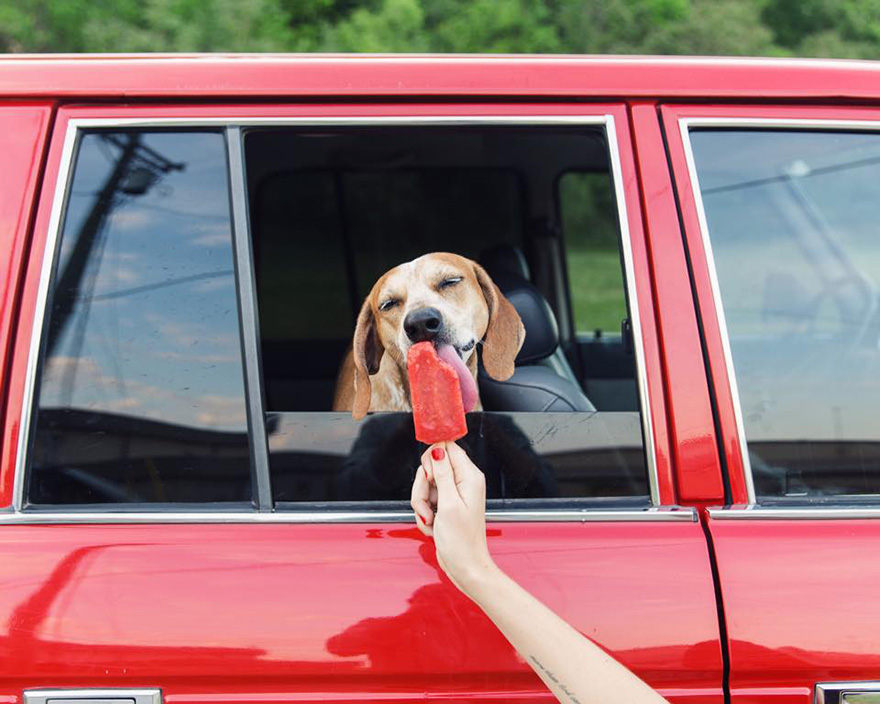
442 298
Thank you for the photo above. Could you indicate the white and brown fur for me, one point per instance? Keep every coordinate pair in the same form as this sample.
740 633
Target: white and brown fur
373 376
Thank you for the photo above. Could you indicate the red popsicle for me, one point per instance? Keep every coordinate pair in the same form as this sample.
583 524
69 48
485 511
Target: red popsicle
436 394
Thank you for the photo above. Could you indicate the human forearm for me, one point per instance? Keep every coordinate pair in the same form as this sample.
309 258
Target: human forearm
574 668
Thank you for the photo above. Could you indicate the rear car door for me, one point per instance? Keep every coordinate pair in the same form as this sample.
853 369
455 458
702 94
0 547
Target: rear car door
172 533
781 209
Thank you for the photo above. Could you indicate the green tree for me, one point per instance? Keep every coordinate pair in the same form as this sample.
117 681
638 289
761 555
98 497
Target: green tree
842 28
828 28
143 25
497 26
395 26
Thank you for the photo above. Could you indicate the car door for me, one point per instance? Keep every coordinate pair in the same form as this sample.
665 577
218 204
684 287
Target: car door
780 214
144 555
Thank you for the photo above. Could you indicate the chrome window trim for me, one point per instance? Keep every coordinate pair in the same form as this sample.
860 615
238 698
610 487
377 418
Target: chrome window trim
818 513
645 515
74 128
59 201
685 125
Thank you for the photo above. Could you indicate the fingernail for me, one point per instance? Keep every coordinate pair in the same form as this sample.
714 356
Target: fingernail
438 454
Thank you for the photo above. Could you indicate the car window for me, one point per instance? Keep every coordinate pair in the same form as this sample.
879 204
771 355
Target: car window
588 214
333 209
140 395
793 224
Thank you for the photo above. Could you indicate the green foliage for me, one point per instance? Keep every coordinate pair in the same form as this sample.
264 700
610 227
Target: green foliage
839 28
143 25
395 26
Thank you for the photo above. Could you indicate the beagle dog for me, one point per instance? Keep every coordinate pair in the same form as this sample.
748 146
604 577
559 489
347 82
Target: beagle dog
440 297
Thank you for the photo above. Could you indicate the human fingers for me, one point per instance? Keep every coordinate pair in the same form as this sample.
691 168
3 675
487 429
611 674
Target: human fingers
470 480
420 501
441 473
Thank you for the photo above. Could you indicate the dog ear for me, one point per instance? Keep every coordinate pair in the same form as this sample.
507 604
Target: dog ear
504 335
367 351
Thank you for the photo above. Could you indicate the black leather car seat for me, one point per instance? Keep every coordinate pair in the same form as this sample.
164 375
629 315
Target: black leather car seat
535 384
506 259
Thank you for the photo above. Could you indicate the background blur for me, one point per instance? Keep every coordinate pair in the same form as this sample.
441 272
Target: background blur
820 28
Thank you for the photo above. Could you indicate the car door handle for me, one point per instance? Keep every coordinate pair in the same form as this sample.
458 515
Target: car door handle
92 696
848 693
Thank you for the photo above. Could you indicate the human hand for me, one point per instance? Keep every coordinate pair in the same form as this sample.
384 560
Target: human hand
449 500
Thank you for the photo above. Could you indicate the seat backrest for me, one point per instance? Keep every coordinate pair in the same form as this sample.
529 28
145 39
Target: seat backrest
535 384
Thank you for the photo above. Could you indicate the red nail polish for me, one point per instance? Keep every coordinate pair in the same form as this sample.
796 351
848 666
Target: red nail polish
438 454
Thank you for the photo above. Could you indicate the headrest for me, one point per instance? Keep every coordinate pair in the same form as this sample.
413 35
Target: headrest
542 335
505 258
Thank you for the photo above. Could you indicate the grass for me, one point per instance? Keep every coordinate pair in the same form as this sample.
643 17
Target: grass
597 292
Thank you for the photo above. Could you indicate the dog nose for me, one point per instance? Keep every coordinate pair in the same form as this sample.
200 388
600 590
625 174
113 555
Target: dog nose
423 324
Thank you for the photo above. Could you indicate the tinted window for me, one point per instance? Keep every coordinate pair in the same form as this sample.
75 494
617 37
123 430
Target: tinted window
141 394
589 223
332 210
793 222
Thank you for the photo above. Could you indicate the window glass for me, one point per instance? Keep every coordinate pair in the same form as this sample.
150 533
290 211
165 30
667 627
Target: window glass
793 223
333 210
141 392
588 212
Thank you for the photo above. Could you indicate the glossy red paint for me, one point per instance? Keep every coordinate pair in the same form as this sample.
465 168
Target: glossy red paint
699 264
263 612
650 336
256 613
278 76
805 613
692 428
23 132
706 304
665 486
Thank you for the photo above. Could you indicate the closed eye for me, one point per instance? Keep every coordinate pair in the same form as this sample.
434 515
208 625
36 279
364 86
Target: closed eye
389 304
446 283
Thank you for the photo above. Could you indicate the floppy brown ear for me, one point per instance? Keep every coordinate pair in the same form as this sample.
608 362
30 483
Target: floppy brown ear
505 334
367 352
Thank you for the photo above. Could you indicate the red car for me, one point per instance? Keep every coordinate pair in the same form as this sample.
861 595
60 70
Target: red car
685 464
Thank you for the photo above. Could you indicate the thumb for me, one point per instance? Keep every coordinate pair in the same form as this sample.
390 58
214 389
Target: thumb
441 468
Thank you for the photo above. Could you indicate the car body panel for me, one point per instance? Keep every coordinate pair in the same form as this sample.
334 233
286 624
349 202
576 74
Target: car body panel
798 595
244 610
23 134
801 603
251 611
695 451
722 385
155 76
239 610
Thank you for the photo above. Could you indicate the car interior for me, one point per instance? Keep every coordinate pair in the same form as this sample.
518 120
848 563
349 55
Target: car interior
333 208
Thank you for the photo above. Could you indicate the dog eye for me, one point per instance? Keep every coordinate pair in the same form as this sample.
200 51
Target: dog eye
451 281
389 304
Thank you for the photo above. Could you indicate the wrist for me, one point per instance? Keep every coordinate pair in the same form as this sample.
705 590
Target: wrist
482 581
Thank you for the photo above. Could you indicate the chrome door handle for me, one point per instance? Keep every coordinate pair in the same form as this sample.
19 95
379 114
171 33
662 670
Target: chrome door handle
92 696
848 693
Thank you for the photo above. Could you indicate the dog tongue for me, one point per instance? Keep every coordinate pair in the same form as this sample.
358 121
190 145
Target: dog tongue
465 379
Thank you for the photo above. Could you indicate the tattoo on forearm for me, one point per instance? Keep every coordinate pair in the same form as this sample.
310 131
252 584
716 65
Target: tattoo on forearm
550 676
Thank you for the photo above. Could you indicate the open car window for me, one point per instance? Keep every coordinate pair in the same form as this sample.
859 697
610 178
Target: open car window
332 209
